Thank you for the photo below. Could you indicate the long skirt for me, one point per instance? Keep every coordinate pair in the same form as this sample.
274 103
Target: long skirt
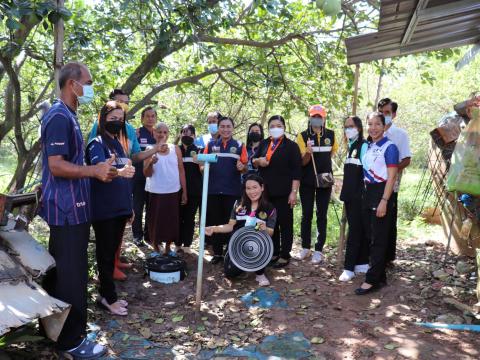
163 217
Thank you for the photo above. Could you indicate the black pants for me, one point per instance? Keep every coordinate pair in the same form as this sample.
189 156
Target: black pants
283 235
67 281
219 209
392 235
187 220
309 195
357 250
140 201
108 236
377 230
231 271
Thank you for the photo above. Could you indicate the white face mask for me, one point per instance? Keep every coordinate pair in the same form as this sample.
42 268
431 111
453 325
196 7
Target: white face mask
276 132
351 133
388 119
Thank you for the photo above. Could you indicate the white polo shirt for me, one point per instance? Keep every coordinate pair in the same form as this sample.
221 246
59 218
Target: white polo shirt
400 138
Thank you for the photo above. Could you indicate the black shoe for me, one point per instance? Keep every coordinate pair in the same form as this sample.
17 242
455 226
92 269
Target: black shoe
281 263
217 259
361 291
273 261
139 242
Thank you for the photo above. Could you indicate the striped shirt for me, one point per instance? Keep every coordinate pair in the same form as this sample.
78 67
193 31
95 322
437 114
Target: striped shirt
64 201
377 159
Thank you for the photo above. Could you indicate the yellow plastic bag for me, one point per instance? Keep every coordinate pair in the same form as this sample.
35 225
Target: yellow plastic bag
464 173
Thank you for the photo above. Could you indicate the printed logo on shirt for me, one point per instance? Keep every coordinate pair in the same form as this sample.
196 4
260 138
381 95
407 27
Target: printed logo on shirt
143 140
327 141
233 150
215 149
193 153
57 144
81 204
262 215
354 153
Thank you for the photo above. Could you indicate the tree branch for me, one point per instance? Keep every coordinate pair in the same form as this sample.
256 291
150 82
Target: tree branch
189 79
17 101
259 44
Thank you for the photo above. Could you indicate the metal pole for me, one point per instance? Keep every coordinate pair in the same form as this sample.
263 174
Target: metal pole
201 245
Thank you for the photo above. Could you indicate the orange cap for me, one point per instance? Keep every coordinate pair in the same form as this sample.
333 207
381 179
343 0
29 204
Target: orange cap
317 110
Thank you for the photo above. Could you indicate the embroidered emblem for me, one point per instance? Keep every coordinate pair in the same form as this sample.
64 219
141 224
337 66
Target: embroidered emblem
193 153
215 149
262 215
354 153
327 141
233 150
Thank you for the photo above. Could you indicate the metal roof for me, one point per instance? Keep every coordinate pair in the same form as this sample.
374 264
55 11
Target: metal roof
412 26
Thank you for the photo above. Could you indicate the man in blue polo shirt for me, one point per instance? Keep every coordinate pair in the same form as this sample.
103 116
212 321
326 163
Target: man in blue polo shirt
145 138
212 120
65 206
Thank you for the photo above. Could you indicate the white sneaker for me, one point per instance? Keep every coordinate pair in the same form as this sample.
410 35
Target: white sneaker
361 269
347 275
304 254
262 280
317 257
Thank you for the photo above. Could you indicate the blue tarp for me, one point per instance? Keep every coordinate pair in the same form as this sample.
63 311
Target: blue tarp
264 298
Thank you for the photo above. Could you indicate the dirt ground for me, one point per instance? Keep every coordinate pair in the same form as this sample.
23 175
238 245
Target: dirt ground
339 324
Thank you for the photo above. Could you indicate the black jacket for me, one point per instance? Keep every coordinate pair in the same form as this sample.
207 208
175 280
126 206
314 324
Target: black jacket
285 166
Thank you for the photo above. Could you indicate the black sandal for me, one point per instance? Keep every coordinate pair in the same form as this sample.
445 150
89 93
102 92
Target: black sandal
281 263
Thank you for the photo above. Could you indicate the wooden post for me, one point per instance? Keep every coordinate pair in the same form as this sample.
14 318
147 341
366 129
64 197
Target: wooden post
58 38
343 221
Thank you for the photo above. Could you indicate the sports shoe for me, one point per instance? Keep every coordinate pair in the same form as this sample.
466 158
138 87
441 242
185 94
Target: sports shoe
347 275
262 280
304 254
86 350
317 257
361 269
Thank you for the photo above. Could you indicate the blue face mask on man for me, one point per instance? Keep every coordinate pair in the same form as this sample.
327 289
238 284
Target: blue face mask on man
388 119
87 96
212 128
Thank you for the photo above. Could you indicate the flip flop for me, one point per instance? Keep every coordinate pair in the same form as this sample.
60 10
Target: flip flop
102 306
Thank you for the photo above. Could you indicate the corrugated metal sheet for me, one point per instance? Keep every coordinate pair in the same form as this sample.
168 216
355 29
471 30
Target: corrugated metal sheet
412 26
22 300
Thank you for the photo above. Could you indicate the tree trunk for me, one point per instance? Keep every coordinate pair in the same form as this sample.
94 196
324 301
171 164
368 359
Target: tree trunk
58 47
379 86
25 164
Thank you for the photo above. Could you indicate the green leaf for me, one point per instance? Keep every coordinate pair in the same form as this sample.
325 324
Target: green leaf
13 24
317 340
177 318
391 346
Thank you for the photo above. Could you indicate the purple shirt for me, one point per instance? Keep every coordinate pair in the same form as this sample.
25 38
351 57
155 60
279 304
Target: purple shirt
64 201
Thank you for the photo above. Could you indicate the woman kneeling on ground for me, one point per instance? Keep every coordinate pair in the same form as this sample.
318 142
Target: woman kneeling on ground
252 209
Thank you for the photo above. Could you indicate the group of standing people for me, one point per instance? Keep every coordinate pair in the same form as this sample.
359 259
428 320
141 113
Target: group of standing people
253 183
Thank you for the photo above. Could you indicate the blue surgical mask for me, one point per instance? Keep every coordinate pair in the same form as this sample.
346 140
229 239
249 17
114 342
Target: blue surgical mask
212 128
87 96
388 119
